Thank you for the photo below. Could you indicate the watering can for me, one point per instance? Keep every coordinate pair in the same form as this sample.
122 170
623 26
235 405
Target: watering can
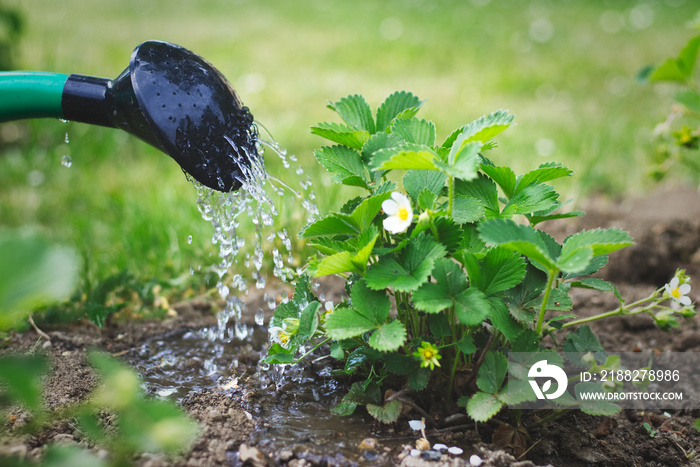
168 96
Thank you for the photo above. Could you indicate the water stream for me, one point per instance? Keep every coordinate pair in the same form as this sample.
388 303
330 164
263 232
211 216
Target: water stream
293 405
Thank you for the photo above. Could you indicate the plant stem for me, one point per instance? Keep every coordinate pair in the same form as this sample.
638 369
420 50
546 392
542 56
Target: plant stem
316 346
543 309
623 310
450 194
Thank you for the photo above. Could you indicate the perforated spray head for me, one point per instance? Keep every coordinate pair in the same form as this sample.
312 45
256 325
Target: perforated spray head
179 103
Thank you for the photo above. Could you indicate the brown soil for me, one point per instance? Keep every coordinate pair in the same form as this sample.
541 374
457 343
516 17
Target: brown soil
666 227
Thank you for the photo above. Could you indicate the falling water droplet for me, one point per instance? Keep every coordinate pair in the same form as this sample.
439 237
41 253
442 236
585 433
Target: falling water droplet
189 240
66 139
66 161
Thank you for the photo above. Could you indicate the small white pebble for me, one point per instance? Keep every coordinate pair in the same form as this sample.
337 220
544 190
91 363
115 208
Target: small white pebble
415 452
415 424
455 451
667 415
475 460
440 447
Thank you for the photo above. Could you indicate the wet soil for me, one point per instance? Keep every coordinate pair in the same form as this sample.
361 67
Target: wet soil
240 413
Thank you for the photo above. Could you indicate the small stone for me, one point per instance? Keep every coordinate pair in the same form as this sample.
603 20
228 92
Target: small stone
439 447
415 452
286 455
368 444
455 451
475 460
252 455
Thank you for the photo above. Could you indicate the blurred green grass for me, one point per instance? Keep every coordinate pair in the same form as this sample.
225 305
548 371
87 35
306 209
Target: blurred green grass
564 68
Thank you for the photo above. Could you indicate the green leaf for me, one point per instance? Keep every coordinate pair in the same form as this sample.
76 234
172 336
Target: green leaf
449 233
374 304
419 379
492 372
597 284
482 129
533 198
341 134
439 326
450 281
482 406
688 56
387 413
667 71
343 163
463 161
293 308
466 210
415 130
394 105
334 264
558 300
356 112
367 210
406 156
376 142
33 273
415 181
345 323
501 270
482 188
410 269
689 98
279 354
590 243
472 307
466 345
388 337
576 260
598 407
521 238
503 176
544 173
21 379
333 224
399 364
582 341
503 321
426 199
308 320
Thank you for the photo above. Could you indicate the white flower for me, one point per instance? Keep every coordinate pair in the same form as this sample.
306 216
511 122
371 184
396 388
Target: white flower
678 292
279 335
400 214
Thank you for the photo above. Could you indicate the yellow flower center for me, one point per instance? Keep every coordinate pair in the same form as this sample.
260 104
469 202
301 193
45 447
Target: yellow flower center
403 213
676 293
428 354
284 338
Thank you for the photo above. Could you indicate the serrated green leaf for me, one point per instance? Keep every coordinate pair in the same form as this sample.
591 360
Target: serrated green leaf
387 413
482 406
450 281
544 173
598 407
439 326
364 392
394 105
415 181
293 308
521 238
503 176
501 269
308 320
334 264
533 198
356 112
450 234
374 304
482 129
466 210
367 210
582 340
558 300
399 364
601 241
388 337
463 162
466 345
492 372
472 307
419 379
536 219
481 188
345 323
426 199
410 269
414 130
405 157
342 162
574 261
341 134
333 224
597 284
278 354
688 56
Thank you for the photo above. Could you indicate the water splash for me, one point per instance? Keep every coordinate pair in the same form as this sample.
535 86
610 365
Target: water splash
238 268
